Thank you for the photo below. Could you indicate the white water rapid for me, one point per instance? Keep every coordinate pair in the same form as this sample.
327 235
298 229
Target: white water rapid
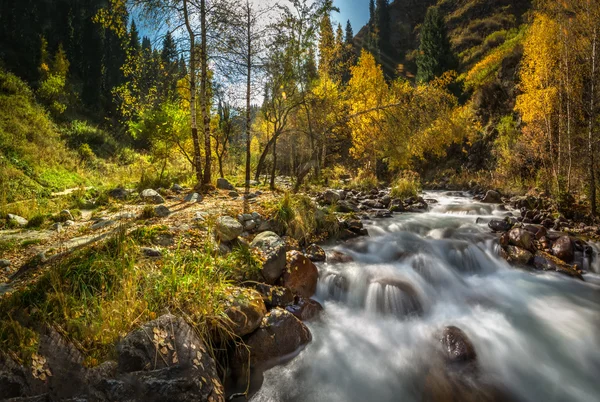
536 334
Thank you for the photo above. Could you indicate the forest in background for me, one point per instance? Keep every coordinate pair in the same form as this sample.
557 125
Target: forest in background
497 92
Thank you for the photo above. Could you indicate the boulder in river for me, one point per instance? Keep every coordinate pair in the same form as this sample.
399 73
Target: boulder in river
521 238
273 250
518 255
280 335
498 225
228 228
300 275
492 197
563 248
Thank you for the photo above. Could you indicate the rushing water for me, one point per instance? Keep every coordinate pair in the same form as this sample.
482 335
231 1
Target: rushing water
537 335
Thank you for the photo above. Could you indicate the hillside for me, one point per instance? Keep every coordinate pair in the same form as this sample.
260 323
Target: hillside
474 26
34 159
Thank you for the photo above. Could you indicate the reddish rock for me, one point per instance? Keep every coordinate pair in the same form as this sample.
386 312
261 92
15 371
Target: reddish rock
300 275
563 248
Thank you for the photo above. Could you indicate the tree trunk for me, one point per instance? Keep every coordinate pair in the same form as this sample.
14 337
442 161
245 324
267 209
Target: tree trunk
197 160
248 94
204 94
592 178
274 168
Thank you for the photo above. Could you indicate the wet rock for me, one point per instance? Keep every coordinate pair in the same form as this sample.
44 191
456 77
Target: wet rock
161 211
193 197
305 309
563 248
224 184
228 228
280 335
275 296
152 196
456 346
315 253
499 225
300 275
337 257
17 220
396 297
245 309
518 255
548 262
492 197
521 238
273 250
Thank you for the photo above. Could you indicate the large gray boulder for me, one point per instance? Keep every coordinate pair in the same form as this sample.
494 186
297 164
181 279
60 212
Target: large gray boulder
152 196
228 228
273 249
224 184
331 197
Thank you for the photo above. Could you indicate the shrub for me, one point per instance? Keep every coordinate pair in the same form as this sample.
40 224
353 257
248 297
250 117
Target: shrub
148 212
365 180
406 185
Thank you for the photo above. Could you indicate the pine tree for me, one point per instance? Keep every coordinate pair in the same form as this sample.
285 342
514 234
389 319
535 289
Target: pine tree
349 33
435 55
383 23
134 38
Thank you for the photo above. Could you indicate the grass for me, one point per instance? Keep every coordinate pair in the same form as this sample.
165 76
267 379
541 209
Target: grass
97 296
406 185
297 216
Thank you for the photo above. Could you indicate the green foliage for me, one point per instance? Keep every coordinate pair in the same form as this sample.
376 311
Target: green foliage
33 159
298 216
435 55
85 153
81 134
406 185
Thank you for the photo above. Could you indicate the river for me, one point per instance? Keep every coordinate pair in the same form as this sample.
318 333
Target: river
536 335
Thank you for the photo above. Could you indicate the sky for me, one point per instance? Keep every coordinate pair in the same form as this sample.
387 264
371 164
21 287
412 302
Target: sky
357 11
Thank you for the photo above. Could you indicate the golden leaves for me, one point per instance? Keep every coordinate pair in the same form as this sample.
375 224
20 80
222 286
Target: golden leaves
39 367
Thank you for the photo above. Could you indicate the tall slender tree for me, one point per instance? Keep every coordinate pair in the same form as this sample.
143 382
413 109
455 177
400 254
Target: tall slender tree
435 54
